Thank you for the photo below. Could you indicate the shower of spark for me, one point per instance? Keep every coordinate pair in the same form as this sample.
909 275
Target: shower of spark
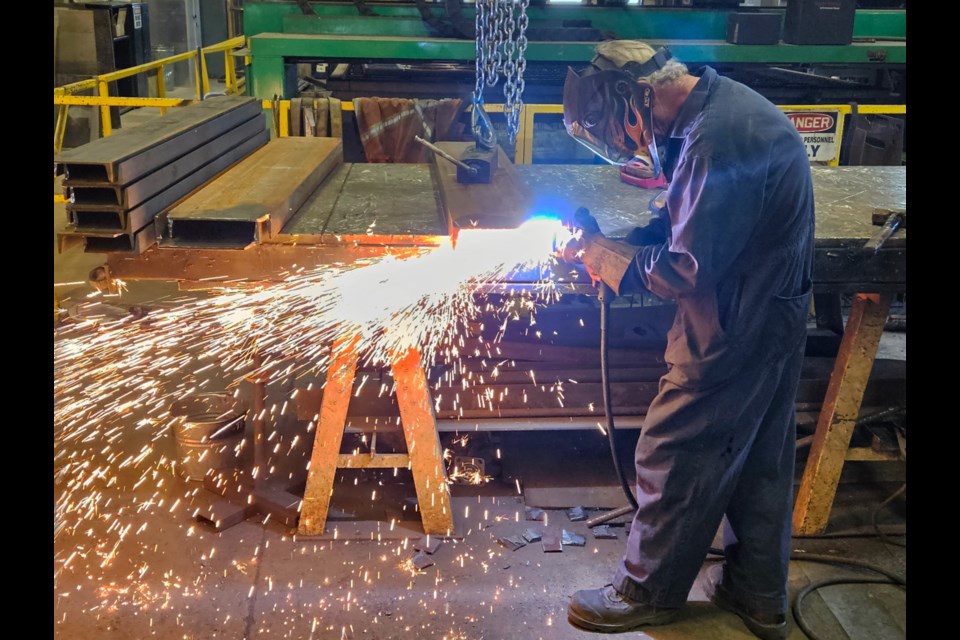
115 377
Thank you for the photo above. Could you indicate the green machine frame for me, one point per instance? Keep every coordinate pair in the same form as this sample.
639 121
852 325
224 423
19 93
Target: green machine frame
279 34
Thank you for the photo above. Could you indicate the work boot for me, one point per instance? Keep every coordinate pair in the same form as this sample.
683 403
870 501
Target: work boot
763 625
606 610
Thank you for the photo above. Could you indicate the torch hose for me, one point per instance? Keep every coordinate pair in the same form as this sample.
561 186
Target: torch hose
606 295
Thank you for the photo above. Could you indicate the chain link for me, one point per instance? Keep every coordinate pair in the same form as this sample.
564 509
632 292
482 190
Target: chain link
501 51
481 52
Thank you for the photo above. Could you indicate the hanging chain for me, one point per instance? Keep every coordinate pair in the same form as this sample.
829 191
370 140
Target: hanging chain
501 51
481 26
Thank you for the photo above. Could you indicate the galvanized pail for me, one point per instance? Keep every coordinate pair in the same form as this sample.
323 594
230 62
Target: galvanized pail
209 435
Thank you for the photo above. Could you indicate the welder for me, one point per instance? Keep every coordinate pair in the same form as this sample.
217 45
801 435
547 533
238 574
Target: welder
734 249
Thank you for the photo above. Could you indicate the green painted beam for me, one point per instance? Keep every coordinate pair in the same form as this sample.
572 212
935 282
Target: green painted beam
627 22
399 48
357 25
270 49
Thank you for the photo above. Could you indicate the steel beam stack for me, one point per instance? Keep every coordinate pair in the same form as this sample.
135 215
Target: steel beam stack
118 185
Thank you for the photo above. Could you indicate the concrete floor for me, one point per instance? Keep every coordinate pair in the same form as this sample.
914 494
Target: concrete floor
142 567
131 560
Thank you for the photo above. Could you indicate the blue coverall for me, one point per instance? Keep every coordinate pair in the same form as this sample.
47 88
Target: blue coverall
719 438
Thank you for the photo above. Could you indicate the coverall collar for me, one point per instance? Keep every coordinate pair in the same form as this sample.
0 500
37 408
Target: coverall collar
693 105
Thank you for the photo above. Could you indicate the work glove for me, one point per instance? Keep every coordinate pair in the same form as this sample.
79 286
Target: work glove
654 232
586 222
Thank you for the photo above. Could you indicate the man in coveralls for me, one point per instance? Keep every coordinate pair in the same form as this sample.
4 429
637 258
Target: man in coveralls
734 249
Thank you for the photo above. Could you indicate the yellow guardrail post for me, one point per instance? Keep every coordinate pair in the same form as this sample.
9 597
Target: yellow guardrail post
104 91
61 128
230 74
284 119
161 87
203 69
197 75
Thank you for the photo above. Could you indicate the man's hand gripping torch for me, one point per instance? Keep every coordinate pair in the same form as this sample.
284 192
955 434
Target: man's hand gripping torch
606 261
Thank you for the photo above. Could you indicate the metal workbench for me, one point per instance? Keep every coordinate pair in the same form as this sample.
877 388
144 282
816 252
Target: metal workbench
367 209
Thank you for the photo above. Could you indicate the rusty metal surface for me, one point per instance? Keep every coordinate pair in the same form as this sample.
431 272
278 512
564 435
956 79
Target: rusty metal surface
386 199
503 203
258 196
378 204
375 461
839 414
423 444
329 435
311 219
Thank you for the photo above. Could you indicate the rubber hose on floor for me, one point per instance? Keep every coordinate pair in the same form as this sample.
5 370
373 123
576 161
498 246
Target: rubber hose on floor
606 295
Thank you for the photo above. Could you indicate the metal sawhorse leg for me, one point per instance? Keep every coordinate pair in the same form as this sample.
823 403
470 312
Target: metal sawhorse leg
424 457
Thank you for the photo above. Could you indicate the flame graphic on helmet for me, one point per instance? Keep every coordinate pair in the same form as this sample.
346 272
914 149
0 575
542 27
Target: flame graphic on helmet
634 129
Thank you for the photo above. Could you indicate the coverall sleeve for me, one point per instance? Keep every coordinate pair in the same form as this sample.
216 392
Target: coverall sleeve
714 208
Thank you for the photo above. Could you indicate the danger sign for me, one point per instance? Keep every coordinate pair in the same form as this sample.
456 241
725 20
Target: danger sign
819 133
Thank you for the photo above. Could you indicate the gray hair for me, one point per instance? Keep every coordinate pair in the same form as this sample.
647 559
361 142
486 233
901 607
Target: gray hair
621 52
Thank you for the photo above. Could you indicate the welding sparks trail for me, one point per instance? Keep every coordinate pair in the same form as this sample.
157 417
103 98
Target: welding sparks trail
116 377
393 304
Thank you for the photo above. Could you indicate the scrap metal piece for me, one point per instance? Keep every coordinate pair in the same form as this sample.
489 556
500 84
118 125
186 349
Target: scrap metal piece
604 532
534 514
551 540
532 535
428 545
572 539
568 538
421 561
512 542
577 514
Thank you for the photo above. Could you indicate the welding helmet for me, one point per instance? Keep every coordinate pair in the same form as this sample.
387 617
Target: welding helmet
609 109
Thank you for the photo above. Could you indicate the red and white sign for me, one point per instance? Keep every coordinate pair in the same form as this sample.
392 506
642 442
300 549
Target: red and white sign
819 133
812 122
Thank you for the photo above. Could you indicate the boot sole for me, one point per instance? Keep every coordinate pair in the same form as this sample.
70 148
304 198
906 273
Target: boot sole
660 618
764 631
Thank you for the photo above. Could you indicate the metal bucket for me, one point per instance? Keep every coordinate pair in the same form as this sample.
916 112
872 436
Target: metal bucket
209 436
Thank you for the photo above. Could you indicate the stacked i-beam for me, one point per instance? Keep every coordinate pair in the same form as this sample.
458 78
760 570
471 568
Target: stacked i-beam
118 185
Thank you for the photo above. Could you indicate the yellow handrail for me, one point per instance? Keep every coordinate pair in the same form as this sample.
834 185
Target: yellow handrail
119 101
113 76
102 84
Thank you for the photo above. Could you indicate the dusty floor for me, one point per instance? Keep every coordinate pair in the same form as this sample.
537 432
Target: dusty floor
131 561
140 566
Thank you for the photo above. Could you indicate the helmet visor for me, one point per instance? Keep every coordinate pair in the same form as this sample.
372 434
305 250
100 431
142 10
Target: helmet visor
609 113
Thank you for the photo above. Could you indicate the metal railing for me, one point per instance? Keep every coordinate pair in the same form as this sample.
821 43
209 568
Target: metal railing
65 96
